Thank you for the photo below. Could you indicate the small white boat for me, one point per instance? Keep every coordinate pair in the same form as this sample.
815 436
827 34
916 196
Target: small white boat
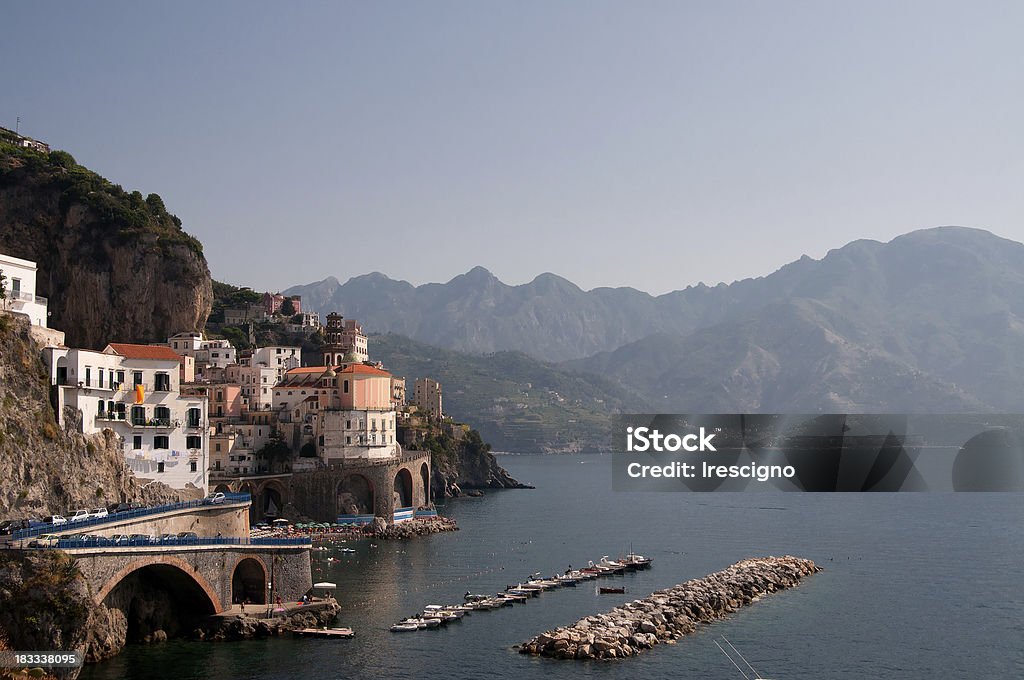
404 628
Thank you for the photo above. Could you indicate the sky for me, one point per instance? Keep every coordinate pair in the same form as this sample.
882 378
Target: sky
647 144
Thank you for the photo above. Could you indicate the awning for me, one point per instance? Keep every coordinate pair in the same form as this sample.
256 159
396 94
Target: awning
324 584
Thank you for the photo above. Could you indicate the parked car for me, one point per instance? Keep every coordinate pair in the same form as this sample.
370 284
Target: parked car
119 539
187 536
99 512
57 520
141 539
214 498
44 541
168 538
80 515
33 522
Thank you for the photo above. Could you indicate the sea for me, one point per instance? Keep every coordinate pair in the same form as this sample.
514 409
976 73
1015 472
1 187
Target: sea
915 585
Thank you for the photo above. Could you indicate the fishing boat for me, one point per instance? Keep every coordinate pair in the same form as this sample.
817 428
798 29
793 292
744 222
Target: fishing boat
611 591
610 566
404 628
637 561
754 674
470 597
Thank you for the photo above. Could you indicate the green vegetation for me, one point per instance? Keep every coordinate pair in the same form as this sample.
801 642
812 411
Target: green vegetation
517 402
120 215
287 308
226 296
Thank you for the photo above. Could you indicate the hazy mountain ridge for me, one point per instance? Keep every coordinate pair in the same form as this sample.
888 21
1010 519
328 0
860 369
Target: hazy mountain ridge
933 319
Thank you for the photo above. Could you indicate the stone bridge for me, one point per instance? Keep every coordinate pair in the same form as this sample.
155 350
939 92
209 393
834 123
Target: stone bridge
210 578
345 486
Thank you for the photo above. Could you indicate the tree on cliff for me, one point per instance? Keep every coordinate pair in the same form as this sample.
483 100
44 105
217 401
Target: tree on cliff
287 307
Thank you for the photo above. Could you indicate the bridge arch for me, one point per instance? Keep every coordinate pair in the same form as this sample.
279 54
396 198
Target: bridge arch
249 582
425 481
170 570
270 499
355 495
403 488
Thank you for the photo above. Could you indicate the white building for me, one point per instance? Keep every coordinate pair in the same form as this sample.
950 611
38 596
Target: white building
20 286
257 383
207 353
347 411
134 390
280 358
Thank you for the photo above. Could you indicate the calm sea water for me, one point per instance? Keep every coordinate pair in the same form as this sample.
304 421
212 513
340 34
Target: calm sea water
915 586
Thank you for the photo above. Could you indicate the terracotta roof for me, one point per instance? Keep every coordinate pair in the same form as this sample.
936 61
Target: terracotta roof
129 351
362 369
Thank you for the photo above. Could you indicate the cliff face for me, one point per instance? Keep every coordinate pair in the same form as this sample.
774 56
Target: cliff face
115 266
459 459
47 604
45 470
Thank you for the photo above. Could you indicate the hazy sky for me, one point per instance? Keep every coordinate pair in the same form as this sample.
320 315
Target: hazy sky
647 144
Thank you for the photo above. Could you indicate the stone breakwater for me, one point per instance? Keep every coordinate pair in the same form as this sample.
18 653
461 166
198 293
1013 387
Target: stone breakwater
667 615
416 527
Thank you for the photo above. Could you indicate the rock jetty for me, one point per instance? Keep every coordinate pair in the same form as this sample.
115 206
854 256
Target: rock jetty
667 615
415 527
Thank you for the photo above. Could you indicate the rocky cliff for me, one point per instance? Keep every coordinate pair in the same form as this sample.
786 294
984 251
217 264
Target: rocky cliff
46 603
44 469
459 459
114 265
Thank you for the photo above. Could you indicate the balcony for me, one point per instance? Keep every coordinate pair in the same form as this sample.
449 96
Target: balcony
155 422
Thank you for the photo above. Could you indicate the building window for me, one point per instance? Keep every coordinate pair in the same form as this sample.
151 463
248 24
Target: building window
194 442
194 415
192 465
163 382
137 378
88 376
99 376
160 466
162 415
345 387
161 441
218 465
217 448
120 377
138 415
137 442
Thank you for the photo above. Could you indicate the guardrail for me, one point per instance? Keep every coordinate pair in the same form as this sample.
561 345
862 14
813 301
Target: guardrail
72 543
128 514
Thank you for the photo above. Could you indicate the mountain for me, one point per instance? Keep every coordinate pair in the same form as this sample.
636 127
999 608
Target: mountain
933 319
516 402
549 318
113 264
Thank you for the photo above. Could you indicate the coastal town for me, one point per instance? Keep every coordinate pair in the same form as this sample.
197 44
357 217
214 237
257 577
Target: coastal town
199 416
